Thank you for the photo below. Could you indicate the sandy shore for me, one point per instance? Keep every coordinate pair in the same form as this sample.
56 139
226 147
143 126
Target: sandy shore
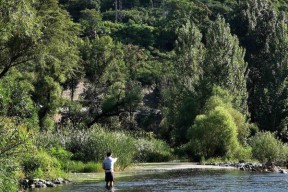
174 166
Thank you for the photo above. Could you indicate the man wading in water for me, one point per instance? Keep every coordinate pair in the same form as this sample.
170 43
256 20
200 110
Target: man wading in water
108 166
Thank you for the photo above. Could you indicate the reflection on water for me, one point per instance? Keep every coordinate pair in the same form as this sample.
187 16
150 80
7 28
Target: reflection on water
187 180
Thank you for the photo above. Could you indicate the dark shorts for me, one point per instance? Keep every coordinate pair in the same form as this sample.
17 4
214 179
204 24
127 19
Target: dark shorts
109 176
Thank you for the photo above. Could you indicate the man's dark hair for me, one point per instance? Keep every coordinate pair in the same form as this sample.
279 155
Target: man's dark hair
108 154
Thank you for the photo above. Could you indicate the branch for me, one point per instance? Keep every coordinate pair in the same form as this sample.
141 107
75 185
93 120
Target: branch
12 64
107 114
103 115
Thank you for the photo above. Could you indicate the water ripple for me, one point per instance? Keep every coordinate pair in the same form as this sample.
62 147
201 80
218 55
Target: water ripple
189 180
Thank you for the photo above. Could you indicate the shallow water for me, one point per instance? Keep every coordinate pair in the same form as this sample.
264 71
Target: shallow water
186 180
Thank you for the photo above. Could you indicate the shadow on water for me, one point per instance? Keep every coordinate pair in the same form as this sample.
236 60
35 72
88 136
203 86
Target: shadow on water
186 180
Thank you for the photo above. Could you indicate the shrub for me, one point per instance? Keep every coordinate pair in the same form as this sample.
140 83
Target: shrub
14 138
14 142
214 134
243 153
152 150
8 175
60 153
267 149
222 97
41 165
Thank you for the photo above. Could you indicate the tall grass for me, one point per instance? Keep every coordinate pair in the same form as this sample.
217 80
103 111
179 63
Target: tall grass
84 150
94 143
80 167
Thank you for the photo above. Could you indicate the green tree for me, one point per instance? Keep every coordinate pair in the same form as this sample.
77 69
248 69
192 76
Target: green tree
39 37
214 134
190 54
263 32
275 94
15 98
137 34
176 13
224 64
222 97
108 88
91 22
20 34
220 131
58 60
76 6
181 98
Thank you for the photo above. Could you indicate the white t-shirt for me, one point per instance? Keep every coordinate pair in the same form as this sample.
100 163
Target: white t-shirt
108 164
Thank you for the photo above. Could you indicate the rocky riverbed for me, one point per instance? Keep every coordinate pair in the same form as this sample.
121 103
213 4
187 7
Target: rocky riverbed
257 167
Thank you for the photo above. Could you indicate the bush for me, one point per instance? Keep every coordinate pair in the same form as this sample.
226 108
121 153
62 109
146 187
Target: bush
214 135
243 153
60 153
222 97
41 165
152 150
14 138
267 149
8 175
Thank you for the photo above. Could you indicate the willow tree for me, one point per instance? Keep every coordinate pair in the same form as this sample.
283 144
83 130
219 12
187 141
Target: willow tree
224 64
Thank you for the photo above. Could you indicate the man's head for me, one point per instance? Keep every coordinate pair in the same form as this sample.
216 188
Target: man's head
108 154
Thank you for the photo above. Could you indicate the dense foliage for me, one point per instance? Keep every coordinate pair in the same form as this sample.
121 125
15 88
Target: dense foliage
140 78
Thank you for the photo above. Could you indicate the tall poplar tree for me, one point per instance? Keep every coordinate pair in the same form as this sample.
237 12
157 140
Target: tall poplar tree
275 108
224 64
181 99
263 32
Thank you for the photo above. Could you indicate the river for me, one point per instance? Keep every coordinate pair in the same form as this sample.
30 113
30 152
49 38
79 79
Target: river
184 180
